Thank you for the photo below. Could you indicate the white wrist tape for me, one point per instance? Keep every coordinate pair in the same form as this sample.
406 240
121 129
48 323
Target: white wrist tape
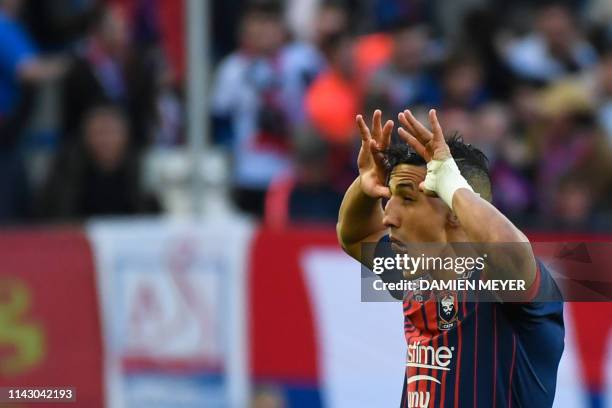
444 177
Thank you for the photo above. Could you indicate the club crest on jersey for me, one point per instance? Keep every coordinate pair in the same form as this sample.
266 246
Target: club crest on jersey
447 310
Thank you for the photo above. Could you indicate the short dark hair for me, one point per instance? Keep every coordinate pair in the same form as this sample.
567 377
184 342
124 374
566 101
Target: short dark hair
472 163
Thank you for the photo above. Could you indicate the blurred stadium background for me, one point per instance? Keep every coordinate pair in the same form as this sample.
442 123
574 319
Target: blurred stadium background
171 171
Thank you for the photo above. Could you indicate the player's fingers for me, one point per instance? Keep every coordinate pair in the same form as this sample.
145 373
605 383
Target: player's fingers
404 121
364 132
435 126
377 124
386 134
415 143
420 131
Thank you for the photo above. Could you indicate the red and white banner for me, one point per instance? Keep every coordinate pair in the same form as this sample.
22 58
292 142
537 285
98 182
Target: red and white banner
173 296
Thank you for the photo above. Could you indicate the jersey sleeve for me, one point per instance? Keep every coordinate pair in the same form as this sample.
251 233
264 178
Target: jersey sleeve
538 323
542 299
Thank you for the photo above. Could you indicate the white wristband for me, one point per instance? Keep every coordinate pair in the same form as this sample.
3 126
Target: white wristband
444 177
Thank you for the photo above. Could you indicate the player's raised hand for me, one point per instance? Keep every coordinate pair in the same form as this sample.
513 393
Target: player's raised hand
371 160
428 144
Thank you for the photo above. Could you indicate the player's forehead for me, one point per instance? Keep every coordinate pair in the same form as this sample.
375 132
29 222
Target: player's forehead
406 174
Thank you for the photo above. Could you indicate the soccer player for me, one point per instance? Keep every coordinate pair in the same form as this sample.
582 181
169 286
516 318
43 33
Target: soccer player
460 353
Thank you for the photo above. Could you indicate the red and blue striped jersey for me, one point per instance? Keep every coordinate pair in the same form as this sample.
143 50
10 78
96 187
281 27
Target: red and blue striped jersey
482 354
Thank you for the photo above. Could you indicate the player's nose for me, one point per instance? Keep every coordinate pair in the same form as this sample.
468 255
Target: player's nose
390 222
390 217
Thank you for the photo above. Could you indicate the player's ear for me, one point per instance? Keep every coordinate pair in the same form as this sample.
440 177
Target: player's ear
452 220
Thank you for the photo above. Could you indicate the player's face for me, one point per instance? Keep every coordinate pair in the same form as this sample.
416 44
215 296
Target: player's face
410 215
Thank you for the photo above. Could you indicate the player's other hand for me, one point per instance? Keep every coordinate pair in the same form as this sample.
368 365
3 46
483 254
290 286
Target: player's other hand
430 145
371 160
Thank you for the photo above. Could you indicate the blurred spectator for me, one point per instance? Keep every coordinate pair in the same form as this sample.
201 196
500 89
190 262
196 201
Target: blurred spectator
525 104
311 21
98 175
509 160
492 122
479 32
461 84
108 70
333 99
570 143
554 49
404 81
372 51
302 61
539 106
21 67
300 16
306 194
573 208
248 106
332 102
56 24
314 198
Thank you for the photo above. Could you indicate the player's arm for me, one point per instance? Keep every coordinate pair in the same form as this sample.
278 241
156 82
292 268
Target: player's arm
361 214
480 220
516 254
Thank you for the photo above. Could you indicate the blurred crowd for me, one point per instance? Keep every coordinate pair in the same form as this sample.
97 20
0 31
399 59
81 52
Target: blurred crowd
85 90
528 82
